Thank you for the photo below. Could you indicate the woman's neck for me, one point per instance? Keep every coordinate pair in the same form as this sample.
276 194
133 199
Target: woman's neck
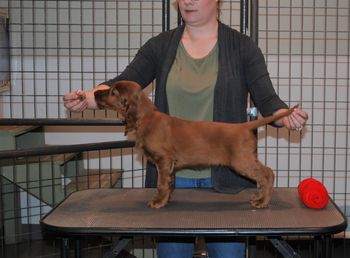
195 33
199 41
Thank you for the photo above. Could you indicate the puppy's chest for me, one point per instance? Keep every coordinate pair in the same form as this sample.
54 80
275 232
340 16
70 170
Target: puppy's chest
146 143
140 139
142 146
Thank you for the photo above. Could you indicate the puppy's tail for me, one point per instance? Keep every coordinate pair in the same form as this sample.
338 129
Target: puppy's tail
269 119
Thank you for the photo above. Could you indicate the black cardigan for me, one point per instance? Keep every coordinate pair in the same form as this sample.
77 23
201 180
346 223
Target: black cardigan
242 69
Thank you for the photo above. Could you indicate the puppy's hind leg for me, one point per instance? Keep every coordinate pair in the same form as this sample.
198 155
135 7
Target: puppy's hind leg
265 186
262 175
165 168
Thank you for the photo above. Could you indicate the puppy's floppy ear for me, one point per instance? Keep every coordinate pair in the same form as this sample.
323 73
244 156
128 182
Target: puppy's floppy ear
114 91
131 104
133 100
135 96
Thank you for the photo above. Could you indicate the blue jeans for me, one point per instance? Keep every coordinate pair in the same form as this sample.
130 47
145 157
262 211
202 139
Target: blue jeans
184 247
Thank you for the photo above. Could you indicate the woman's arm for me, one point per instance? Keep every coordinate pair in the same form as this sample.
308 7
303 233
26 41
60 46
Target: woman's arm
142 70
260 86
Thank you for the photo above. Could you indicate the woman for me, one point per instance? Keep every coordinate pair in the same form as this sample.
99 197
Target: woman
203 71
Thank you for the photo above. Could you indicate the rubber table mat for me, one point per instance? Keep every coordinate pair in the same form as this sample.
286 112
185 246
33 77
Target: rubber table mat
190 212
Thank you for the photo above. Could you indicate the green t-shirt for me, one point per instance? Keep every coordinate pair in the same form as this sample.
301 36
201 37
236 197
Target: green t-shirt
190 92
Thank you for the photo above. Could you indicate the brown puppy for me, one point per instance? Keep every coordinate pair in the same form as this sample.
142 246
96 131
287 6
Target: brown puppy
171 143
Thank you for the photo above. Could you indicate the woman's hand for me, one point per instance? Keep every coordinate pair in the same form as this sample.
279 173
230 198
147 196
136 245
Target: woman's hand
78 101
295 121
75 101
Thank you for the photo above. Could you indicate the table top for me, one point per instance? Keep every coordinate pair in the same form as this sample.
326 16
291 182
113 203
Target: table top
191 212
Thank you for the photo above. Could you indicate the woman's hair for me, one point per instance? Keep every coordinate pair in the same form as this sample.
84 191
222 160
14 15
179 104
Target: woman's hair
219 3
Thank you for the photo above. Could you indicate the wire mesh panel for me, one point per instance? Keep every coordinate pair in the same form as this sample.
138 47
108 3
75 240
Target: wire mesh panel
32 186
57 47
4 52
62 46
306 45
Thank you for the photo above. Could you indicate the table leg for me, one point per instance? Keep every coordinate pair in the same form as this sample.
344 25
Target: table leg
327 246
77 248
65 248
323 246
117 248
251 247
284 248
317 247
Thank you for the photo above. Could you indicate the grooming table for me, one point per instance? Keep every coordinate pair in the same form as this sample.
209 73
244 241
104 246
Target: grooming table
192 212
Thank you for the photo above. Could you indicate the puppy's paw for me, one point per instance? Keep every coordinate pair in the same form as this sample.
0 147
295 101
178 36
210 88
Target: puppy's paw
156 204
259 204
255 197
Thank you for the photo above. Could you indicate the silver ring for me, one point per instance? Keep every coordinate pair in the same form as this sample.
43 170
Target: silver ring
81 97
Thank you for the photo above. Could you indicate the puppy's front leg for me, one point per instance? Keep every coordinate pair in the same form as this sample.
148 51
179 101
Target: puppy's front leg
165 168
